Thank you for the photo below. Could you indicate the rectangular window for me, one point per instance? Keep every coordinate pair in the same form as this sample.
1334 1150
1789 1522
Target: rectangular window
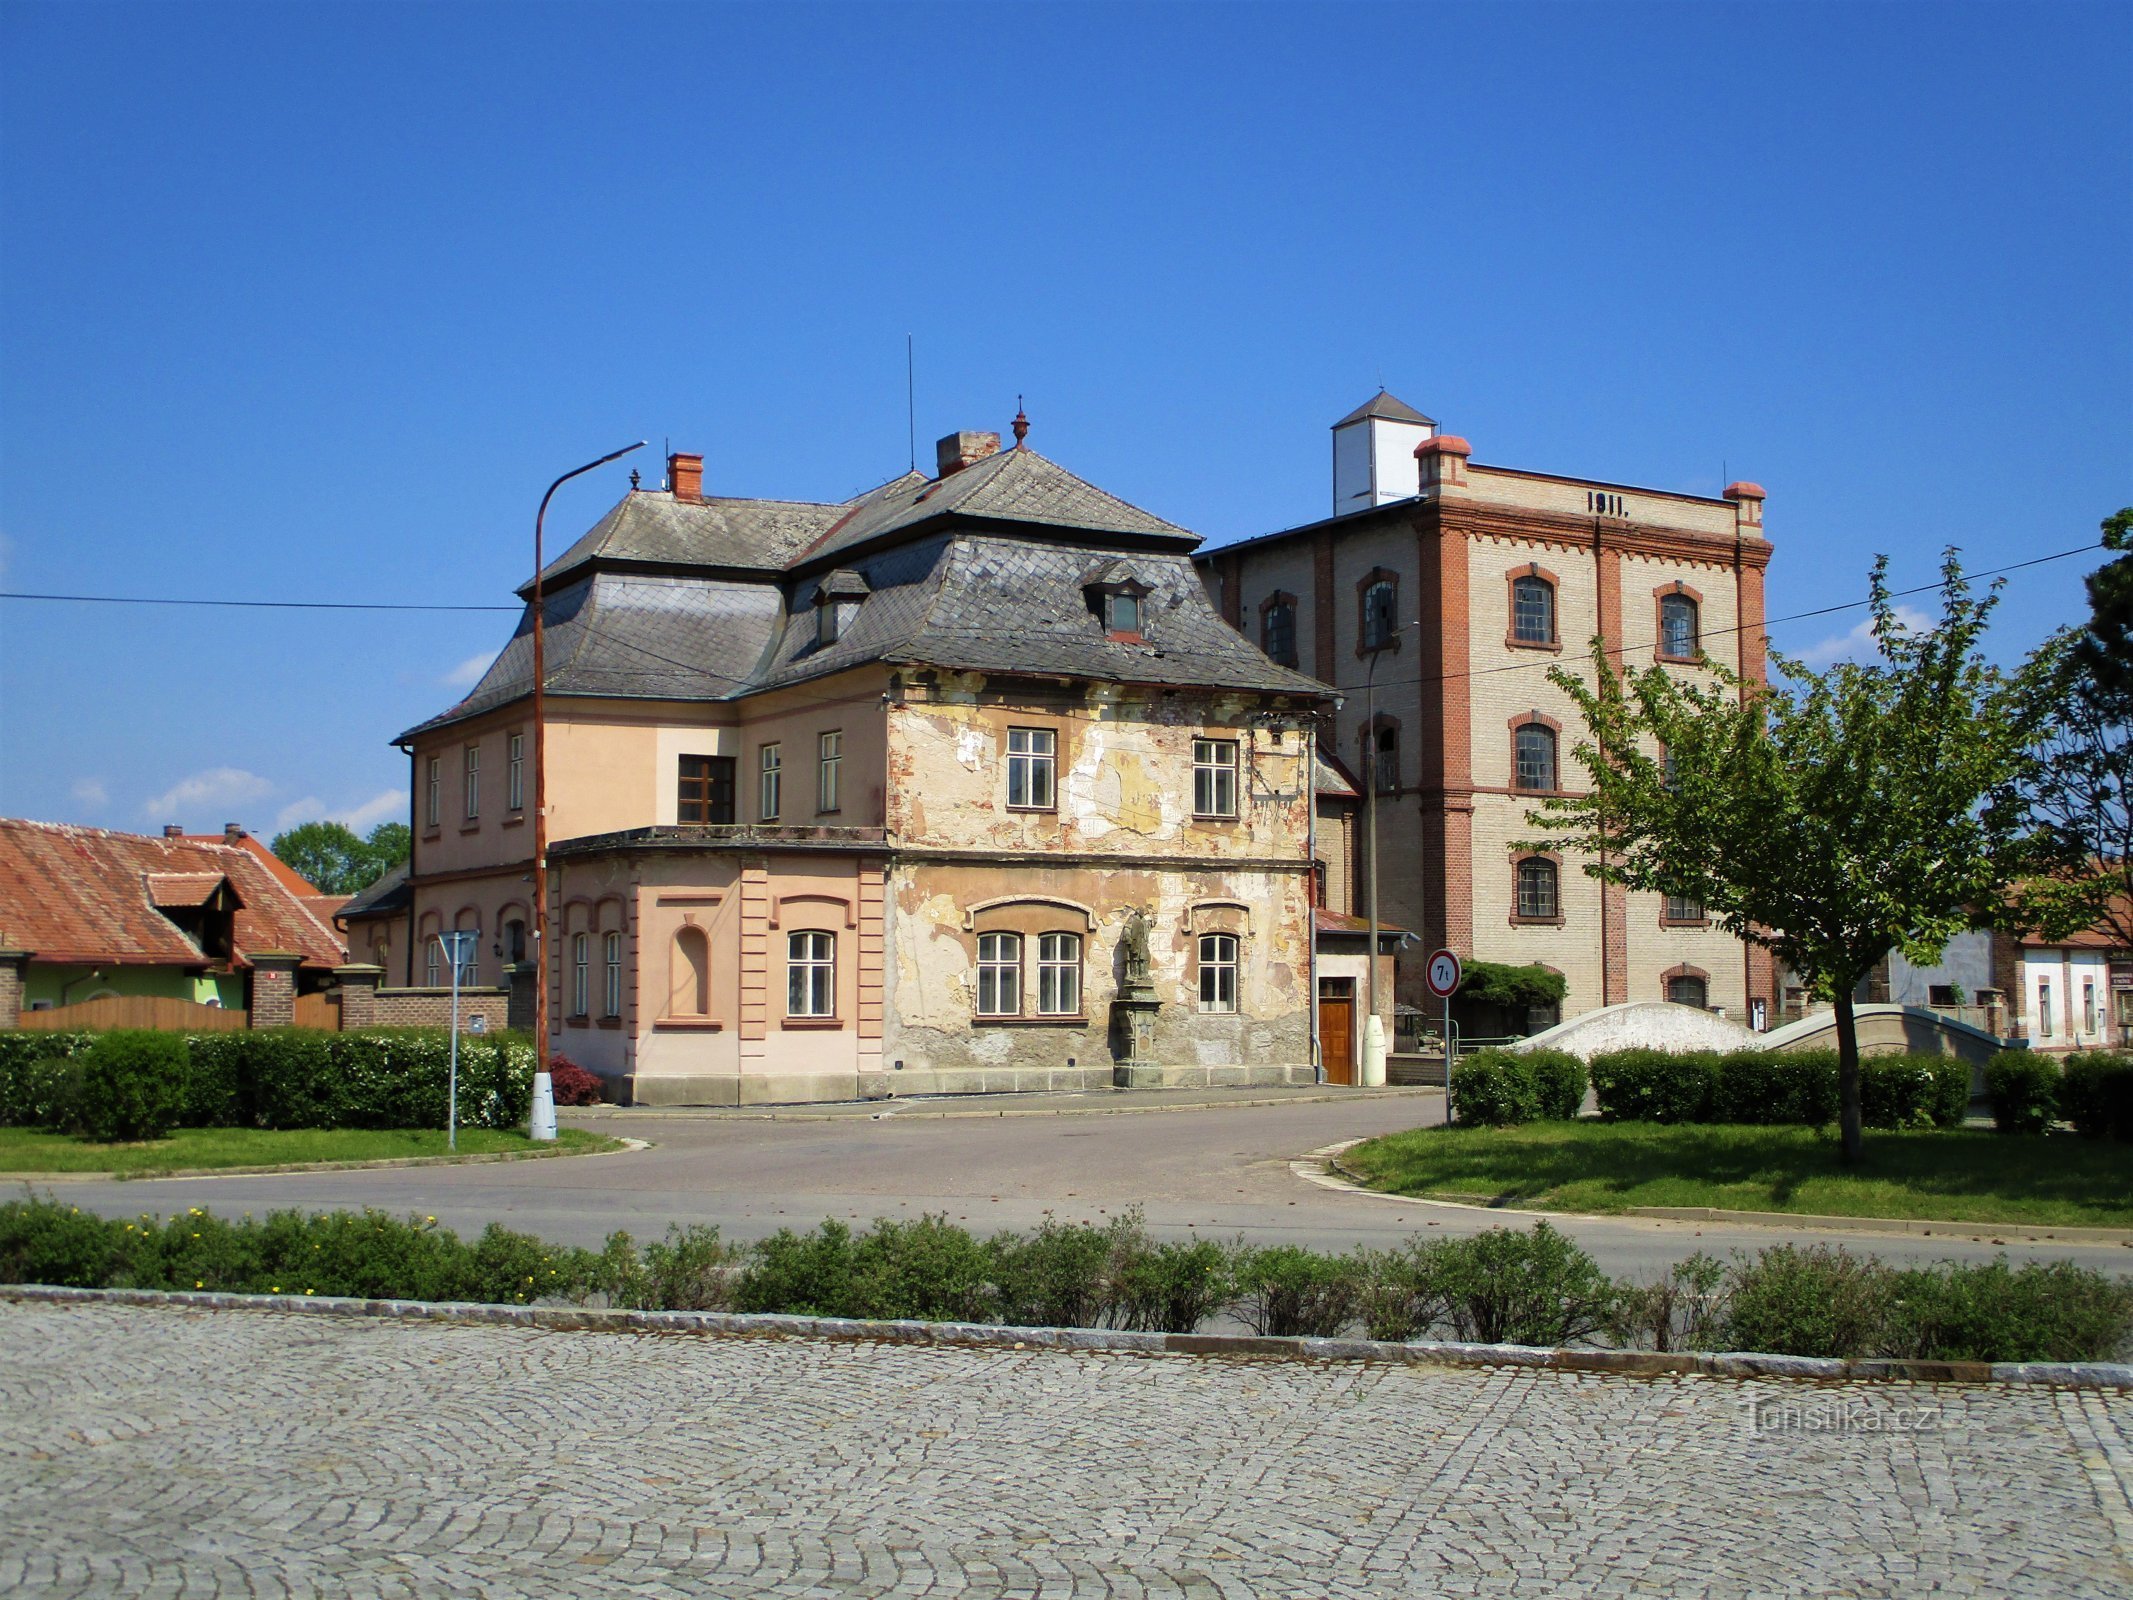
1683 908
830 764
999 974
613 995
2088 1006
2044 1008
811 975
1214 777
1031 754
706 793
770 783
1387 761
432 968
1059 974
581 975
515 774
433 803
1218 972
473 775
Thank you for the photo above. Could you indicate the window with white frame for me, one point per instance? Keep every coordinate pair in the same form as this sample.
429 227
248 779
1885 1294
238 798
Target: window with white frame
810 974
466 949
1214 777
770 788
472 760
1684 908
999 974
1032 756
1218 972
581 975
612 989
2088 1005
1059 974
2044 1008
432 962
515 773
829 755
433 799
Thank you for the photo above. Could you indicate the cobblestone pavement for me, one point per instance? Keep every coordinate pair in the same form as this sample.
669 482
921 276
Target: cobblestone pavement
164 1452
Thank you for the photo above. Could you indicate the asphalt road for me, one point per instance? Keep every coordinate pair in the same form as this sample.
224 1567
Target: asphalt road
1219 1169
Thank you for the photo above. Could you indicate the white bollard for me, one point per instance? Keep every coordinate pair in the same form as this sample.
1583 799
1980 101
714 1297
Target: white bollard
543 1107
1373 1052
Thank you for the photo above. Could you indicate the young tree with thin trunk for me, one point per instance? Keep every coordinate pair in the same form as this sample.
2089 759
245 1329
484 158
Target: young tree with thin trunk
1829 818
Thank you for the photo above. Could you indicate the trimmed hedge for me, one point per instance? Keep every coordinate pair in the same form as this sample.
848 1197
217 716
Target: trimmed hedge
2024 1089
2096 1093
278 1078
1497 1088
1655 1085
131 1085
1771 1087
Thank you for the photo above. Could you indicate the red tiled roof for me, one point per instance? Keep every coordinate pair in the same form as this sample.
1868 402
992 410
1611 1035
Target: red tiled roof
74 894
289 878
182 888
1342 922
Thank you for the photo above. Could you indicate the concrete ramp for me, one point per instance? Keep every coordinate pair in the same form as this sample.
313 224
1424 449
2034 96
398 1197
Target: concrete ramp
1888 1030
1643 1025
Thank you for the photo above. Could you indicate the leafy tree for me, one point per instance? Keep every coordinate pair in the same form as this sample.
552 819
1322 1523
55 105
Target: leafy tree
2081 793
336 860
1828 820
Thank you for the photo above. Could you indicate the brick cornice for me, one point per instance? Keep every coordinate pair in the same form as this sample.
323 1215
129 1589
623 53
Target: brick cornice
1576 532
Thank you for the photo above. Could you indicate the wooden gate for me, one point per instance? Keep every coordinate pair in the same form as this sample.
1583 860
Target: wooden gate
319 1011
137 1011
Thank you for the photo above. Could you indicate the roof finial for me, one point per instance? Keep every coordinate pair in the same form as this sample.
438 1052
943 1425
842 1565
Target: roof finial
636 479
1021 422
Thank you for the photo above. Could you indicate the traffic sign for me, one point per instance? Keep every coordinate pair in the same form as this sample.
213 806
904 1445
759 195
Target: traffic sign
1443 974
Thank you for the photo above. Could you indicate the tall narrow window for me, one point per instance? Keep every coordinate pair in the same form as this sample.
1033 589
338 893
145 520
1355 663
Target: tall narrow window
515 774
690 993
830 761
1380 604
467 952
1059 974
472 759
2044 1008
432 957
1385 760
581 975
999 974
1677 627
1535 748
706 792
770 782
1533 611
2088 1006
612 995
1218 972
1277 631
1214 777
433 801
1537 889
811 975
1689 991
1031 755
514 942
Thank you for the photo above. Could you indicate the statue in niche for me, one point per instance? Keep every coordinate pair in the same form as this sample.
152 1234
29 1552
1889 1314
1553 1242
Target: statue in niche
1133 943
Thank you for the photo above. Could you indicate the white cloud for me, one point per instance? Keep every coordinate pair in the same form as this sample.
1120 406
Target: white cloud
468 672
92 793
389 805
224 786
1859 644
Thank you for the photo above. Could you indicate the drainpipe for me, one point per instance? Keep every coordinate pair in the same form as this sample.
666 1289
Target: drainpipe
1310 788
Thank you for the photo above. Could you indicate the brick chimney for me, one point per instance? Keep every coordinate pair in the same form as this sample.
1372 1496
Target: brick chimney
685 476
232 833
1747 501
173 830
960 450
1441 462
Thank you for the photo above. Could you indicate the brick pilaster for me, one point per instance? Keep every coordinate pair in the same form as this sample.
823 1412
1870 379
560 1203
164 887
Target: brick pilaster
14 975
1614 898
274 988
359 995
1445 707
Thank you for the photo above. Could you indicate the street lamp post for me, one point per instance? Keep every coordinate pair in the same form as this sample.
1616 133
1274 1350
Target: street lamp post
543 1126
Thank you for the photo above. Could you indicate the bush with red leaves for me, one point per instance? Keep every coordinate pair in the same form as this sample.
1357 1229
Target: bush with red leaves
573 1085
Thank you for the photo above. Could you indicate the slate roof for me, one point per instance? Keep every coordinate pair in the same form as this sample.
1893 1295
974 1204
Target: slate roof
387 897
650 527
1387 406
73 894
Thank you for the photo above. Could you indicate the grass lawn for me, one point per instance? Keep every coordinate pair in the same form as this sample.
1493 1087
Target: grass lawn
39 1150
1962 1175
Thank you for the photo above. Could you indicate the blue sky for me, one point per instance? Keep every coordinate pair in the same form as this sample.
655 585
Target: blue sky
310 302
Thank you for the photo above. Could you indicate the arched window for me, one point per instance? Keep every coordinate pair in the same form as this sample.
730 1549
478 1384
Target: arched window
611 996
1535 751
811 974
581 974
1380 612
1532 610
690 992
999 974
1537 888
514 941
1277 630
1678 638
1385 759
1059 974
1686 989
1218 972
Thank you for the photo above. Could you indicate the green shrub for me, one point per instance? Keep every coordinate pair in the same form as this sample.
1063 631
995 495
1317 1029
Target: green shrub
2096 1093
1402 1293
35 1083
1951 1090
1676 1312
291 1079
1812 1301
1494 1089
216 1088
929 1269
508 1268
1775 1087
132 1086
1655 1085
1172 1287
1898 1091
1559 1080
1063 1275
1285 1290
800 1274
1507 1287
2024 1089
1990 1312
42 1241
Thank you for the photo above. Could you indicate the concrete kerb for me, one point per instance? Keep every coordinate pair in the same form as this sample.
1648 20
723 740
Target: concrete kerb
952 1107
1322 1167
624 1146
735 1324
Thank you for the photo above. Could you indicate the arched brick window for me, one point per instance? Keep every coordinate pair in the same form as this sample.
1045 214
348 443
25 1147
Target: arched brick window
1277 628
1532 598
1377 600
1688 986
1533 752
1679 613
1539 892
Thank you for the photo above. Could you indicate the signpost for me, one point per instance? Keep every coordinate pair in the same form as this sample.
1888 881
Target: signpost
1442 975
457 947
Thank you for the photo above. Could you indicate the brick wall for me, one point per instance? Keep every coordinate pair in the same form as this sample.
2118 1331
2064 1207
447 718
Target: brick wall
432 1008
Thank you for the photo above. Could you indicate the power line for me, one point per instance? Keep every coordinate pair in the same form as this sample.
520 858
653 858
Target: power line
246 605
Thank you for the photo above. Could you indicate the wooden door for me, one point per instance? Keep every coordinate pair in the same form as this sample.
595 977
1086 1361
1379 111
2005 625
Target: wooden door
1336 1028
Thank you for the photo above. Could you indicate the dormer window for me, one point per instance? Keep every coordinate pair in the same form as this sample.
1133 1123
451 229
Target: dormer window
1122 612
837 601
826 622
1120 599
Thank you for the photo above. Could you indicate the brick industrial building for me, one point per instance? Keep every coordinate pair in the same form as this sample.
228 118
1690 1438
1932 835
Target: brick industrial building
1443 589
